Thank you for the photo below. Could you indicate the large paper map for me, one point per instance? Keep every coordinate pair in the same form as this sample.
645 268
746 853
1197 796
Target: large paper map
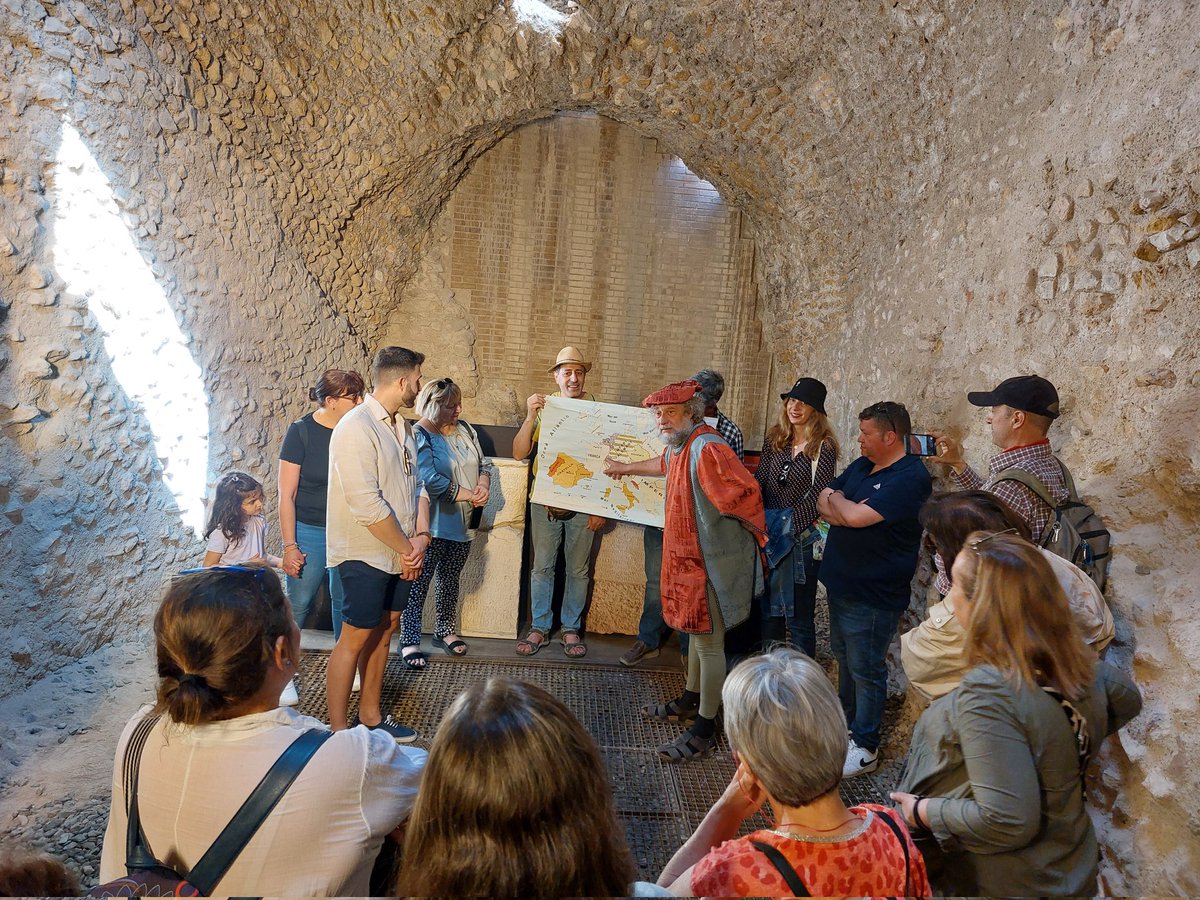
575 438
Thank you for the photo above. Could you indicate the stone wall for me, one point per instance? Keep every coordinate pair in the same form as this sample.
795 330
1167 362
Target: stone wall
940 196
578 230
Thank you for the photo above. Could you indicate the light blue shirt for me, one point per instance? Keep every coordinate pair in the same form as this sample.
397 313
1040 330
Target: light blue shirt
446 463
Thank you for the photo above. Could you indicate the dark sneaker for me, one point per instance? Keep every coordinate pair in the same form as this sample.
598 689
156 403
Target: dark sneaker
401 734
637 653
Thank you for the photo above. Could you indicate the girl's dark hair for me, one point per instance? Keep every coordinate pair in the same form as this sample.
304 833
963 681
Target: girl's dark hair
335 383
227 505
514 802
215 635
949 517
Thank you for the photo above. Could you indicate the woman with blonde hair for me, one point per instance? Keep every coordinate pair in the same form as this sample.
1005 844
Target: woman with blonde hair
788 734
995 770
515 802
799 459
226 644
458 478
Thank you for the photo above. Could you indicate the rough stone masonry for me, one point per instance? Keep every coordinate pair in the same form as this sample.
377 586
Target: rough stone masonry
940 196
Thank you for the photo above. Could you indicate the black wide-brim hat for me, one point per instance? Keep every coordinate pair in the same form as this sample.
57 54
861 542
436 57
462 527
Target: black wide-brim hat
810 391
1028 393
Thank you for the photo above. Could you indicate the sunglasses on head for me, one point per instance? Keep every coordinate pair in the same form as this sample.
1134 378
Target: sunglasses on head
255 571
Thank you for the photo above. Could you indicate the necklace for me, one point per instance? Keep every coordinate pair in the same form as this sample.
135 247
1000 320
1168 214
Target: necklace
783 832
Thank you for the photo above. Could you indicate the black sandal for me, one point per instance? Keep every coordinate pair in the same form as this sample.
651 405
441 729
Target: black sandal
455 648
414 660
687 747
672 711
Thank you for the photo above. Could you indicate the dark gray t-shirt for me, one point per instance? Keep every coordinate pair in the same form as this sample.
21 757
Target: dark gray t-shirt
307 445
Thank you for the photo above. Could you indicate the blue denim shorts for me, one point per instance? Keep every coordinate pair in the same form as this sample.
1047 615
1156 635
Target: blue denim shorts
370 593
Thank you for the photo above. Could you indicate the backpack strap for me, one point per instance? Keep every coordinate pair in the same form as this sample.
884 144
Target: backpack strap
137 850
237 834
1031 481
794 882
900 836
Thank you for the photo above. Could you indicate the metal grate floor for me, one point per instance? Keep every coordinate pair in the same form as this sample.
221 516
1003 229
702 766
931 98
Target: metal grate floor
660 804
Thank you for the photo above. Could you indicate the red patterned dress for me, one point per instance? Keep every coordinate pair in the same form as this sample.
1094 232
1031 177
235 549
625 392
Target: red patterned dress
869 862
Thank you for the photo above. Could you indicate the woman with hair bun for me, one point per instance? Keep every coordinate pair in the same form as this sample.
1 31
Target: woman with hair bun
226 644
303 484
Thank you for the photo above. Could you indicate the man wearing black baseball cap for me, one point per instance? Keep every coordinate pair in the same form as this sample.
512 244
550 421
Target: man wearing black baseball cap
1021 410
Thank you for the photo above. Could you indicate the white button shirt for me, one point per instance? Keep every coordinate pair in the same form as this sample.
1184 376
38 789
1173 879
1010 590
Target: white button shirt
369 479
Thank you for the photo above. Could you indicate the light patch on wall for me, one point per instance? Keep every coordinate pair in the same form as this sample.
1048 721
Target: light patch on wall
539 15
697 188
96 256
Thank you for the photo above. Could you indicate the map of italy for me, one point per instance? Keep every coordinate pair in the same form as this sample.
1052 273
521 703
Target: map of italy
575 438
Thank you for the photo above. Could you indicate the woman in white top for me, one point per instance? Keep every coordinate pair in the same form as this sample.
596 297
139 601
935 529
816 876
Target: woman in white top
226 645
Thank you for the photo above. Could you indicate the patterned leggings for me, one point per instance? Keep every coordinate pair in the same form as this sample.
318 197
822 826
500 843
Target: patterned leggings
447 558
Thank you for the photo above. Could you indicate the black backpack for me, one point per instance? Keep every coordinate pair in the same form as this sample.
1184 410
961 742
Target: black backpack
1076 533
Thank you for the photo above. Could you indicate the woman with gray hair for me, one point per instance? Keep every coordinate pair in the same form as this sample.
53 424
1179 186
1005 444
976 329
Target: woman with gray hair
788 732
458 477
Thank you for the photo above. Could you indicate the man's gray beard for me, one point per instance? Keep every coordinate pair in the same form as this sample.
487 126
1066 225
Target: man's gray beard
676 439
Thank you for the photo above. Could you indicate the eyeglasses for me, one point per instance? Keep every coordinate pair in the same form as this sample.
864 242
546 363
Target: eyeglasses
975 544
256 571
407 462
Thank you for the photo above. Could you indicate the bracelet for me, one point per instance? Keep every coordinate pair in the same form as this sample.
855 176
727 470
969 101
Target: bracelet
917 814
423 534
292 544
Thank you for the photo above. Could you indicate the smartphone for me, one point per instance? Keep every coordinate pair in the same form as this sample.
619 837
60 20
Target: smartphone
922 445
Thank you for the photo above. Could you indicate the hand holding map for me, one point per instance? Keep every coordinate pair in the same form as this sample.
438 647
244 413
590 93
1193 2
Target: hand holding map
578 439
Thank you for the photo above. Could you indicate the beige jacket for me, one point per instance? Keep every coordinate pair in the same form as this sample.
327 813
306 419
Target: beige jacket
932 653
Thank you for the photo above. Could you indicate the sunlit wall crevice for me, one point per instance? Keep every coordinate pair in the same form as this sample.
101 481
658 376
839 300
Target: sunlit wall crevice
95 255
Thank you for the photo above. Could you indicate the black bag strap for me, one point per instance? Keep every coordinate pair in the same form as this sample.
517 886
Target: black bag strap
900 833
794 882
137 851
246 821
241 828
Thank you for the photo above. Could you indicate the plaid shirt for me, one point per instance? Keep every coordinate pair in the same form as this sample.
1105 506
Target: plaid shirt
732 435
1037 459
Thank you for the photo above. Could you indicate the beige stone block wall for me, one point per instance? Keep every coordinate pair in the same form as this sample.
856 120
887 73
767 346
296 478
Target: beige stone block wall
579 230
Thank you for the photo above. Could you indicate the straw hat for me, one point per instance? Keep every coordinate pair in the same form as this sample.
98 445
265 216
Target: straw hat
570 355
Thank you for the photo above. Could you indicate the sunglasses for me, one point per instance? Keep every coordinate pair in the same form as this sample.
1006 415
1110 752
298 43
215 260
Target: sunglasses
976 544
783 473
256 571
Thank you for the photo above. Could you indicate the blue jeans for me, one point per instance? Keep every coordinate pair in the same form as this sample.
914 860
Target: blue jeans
547 535
301 591
652 630
859 635
792 601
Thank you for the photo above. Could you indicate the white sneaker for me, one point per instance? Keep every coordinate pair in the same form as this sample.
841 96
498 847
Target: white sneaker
357 686
289 697
859 761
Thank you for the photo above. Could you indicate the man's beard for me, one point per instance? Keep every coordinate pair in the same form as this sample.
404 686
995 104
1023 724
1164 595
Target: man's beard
676 439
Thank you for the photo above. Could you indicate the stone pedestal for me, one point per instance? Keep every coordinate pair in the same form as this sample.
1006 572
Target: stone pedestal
618 581
491 580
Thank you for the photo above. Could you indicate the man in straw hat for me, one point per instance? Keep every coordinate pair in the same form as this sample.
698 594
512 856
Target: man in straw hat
552 528
711 563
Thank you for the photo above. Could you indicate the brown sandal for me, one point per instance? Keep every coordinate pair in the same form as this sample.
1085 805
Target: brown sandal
575 649
530 647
